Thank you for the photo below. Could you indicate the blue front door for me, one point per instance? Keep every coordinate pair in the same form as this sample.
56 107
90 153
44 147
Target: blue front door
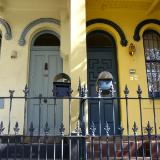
44 65
102 59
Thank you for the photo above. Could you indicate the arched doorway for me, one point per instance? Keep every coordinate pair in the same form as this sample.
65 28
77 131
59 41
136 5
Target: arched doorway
101 56
45 63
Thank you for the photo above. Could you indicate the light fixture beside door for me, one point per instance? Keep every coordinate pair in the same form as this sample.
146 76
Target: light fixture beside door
132 49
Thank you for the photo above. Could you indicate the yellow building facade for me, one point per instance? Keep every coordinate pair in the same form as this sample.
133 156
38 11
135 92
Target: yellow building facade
72 21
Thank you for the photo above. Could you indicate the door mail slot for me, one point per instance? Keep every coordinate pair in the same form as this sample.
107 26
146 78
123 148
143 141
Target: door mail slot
62 85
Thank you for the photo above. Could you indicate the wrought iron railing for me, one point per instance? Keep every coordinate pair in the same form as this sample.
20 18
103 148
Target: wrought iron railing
85 143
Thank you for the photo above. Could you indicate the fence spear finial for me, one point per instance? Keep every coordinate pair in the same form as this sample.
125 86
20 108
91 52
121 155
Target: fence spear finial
149 129
78 129
31 129
11 93
107 128
126 91
1 128
93 129
46 129
26 91
135 128
139 92
79 86
121 129
16 128
62 129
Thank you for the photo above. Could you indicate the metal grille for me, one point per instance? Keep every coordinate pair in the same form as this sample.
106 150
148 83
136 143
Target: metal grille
141 140
152 56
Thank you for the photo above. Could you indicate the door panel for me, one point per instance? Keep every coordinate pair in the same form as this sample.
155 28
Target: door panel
52 72
101 60
37 64
44 65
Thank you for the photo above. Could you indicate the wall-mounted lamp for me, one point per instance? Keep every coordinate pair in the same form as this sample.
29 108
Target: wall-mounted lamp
14 54
132 49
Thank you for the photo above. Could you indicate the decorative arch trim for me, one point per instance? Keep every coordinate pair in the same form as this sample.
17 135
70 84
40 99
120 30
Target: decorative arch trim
141 25
8 34
113 25
22 40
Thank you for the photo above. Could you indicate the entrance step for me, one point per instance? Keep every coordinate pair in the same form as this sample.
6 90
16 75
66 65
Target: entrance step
121 149
21 151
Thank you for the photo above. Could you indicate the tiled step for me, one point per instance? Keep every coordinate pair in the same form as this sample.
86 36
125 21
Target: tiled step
119 158
20 147
119 153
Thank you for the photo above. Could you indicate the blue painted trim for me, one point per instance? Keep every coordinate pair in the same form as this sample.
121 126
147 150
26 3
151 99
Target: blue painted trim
8 34
22 40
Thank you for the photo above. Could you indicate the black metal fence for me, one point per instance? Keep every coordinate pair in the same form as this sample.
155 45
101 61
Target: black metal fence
85 143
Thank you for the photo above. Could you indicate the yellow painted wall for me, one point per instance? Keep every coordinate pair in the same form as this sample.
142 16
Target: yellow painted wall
78 56
128 20
14 72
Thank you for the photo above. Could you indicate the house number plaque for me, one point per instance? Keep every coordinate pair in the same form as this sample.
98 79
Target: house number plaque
133 75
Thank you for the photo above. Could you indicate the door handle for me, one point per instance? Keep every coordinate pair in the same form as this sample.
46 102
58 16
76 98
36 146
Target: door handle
46 66
46 69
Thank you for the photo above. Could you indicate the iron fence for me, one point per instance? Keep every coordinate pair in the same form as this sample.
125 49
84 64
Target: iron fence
130 142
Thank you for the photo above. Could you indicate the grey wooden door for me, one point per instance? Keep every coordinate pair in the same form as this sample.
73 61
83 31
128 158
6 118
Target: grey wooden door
102 59
44 65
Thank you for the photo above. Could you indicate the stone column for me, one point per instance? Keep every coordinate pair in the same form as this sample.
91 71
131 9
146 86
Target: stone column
78 56
65 54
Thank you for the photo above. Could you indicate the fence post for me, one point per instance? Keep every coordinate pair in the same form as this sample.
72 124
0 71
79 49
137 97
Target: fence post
107 130
139 93
135 129
126 92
